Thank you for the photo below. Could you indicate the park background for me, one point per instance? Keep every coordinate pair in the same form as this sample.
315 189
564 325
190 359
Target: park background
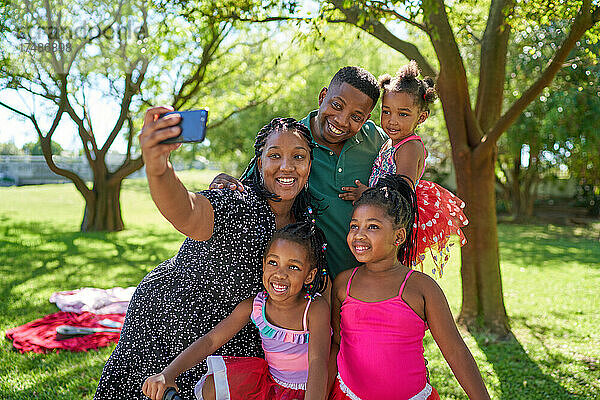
524 74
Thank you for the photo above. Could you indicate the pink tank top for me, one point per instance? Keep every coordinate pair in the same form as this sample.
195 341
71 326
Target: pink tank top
381 347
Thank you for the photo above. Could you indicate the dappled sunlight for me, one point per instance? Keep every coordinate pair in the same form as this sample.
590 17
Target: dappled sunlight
38 260
53 375
543 247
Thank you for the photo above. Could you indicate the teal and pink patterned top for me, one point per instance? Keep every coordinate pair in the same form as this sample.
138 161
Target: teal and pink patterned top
286 351
384 163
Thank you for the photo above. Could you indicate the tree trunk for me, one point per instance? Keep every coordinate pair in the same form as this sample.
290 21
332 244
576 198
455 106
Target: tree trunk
482 298
103 208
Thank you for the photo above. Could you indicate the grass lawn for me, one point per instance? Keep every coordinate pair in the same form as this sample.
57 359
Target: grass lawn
551 278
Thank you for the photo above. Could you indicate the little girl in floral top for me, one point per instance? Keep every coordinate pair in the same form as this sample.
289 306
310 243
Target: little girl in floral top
294 328
404 106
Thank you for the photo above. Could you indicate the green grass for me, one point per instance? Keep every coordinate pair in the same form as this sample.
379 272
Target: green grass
551 277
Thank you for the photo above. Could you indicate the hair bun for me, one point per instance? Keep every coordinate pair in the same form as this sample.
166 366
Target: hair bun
384 80
409 71
430 95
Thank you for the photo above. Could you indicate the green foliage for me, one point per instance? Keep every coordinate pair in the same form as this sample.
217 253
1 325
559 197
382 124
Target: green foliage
555 145
304 62
35 148
550 276
9 149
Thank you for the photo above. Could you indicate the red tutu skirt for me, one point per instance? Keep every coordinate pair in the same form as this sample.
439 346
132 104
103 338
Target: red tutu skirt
342 392
245 378
440 218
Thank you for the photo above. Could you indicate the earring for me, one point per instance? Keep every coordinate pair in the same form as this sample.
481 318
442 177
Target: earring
306 185
397 243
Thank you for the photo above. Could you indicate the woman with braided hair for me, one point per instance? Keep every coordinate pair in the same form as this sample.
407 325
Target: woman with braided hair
220 262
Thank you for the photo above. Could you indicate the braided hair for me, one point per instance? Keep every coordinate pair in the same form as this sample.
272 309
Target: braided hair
396 196
254 179
309 236
407 80
359 78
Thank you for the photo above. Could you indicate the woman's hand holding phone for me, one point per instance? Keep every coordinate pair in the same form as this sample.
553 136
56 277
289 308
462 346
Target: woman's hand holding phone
154 131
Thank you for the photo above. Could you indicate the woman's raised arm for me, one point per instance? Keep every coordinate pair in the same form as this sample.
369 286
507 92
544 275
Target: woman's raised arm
190 213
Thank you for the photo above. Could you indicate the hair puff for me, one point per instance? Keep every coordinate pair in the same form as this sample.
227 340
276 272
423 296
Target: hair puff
407 80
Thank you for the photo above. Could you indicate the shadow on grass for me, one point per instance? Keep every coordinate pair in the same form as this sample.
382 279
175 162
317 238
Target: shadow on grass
541 246
38 259
54 375
519 376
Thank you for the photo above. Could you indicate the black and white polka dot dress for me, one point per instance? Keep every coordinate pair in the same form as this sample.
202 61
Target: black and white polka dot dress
186 296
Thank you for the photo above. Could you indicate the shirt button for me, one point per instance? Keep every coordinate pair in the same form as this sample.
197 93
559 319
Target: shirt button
339 170
331 153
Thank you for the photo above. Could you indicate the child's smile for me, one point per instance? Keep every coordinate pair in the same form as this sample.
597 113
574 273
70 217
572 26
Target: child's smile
286 268
400 115
372 235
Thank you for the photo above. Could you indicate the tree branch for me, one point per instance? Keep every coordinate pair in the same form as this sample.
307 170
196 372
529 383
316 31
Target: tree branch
492 65
237 17
377 29
84 135
371 26
380 6
584 20
45 142
127 168
255 102
21 113
131 89
208 51
452 81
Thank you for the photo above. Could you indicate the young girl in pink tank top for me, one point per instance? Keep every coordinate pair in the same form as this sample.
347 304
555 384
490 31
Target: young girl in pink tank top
382 308
293 323
404 106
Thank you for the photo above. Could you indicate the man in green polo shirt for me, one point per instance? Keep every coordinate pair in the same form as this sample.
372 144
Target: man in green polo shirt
347 143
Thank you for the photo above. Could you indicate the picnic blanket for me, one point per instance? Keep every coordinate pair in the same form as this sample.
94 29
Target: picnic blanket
40 336
94 300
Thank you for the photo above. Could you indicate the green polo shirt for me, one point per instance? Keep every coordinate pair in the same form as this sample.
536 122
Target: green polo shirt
328 174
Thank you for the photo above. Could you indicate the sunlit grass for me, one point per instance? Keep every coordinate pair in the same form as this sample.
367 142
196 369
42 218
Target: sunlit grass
551 277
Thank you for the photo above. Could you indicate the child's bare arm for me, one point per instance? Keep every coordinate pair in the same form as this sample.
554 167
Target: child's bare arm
155 385
318 350
408 158
338 294
447 337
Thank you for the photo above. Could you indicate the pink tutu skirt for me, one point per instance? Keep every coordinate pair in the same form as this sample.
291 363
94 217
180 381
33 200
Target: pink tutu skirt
245 378
440 218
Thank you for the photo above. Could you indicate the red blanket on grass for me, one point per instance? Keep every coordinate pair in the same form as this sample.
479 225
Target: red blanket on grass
39 336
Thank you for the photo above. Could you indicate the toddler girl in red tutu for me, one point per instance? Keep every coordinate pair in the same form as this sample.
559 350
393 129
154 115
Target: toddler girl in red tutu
404 106
294 327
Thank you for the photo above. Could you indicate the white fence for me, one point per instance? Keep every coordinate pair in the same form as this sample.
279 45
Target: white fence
33 170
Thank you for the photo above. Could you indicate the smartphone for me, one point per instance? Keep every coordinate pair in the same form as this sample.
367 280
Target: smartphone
193 126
